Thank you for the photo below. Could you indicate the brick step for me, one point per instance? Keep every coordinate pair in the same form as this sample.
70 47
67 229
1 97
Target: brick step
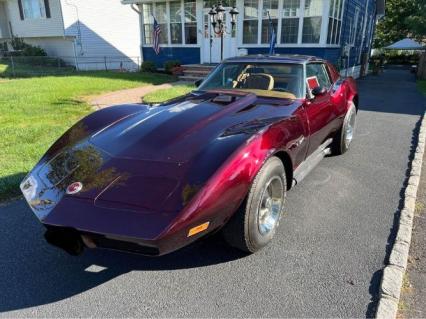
195 75
190 78
198 67
194 71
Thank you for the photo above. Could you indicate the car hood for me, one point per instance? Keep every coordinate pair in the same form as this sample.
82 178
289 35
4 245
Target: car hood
152 161
178 131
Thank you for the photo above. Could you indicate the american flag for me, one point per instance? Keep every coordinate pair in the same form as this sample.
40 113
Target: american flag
156 37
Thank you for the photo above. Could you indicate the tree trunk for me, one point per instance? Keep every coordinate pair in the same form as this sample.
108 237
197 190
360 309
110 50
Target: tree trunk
421 71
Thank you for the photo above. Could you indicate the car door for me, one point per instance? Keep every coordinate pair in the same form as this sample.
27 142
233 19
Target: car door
337 95
318 108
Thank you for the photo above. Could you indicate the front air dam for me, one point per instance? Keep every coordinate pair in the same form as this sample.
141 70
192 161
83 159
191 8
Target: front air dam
67 239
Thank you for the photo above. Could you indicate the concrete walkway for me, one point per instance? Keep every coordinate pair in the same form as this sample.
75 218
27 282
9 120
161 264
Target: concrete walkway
127 96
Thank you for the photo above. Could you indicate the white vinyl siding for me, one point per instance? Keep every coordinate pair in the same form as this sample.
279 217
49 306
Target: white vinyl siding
28 28
55 46
104 28
4 29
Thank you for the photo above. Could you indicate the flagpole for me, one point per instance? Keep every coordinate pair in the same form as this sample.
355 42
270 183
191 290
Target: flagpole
273 35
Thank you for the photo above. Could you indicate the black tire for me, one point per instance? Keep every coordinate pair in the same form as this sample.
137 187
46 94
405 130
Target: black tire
246 229
340 143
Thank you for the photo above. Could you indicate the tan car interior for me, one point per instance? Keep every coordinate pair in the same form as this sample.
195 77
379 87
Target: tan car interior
256 79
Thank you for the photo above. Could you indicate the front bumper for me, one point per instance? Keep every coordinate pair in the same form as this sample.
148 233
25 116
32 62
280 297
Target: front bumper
74 241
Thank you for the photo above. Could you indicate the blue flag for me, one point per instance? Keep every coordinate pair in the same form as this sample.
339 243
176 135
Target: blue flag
273 36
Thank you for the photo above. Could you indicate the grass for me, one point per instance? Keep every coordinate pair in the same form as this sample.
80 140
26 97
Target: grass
30 70
421 85
405 289
167 94
34 112
419 207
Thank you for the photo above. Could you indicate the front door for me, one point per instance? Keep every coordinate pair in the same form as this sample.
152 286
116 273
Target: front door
211 40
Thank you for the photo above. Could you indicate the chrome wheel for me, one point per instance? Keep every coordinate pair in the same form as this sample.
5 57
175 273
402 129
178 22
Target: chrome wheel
270 205
350 128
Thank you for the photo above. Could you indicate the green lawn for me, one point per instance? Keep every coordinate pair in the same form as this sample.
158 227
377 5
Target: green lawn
30 69
421 84
34 112
167 94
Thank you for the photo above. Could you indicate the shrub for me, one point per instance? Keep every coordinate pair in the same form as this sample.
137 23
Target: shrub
33 51
18 44
169 65
25 49
148 66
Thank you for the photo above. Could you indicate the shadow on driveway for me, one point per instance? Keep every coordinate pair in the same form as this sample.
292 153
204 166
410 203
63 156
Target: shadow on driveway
34 273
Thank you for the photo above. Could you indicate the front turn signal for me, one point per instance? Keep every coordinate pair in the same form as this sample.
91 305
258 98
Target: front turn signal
198 229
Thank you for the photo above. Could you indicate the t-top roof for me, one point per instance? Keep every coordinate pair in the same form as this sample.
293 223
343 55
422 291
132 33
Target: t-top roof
281 58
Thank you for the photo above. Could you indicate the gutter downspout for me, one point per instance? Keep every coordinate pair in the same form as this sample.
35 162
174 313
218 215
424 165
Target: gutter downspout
134 8
78 41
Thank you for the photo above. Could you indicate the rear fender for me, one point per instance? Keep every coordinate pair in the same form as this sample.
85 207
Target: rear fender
351 93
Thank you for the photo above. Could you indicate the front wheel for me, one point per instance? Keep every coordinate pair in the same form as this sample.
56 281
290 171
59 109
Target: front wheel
345 135
255 223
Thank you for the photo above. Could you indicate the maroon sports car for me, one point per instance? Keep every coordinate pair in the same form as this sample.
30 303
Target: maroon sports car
154 178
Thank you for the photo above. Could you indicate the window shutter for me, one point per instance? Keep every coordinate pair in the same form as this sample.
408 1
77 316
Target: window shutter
21 10
47 7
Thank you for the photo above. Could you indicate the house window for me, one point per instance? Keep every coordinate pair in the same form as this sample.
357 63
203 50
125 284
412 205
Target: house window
190 22
312 21
354 27
270 6
334 21
290 21
34 9
250 23
226 3
176 22
295 21
148 21
160 14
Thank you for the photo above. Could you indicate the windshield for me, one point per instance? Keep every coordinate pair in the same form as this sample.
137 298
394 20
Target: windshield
268 79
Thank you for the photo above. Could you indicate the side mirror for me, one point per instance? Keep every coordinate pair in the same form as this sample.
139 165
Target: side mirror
318 91
198 82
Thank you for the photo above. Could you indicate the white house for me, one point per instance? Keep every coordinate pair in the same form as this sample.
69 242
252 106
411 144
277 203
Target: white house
91 34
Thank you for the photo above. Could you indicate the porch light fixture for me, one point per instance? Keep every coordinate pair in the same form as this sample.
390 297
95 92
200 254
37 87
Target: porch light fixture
217 14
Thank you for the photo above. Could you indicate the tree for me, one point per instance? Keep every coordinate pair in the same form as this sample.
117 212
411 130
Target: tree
403 18
417 21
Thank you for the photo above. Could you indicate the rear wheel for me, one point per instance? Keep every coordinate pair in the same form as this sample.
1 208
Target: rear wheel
253 226
345 135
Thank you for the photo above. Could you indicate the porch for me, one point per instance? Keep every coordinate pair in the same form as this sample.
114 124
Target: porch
302 27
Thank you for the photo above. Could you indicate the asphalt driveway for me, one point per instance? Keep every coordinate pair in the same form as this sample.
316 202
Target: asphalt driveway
325 261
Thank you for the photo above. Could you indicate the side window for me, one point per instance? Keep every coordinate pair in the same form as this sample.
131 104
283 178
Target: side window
318 71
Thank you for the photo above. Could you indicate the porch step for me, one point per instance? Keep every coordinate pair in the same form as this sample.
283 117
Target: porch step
194 72
199 67
190 78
